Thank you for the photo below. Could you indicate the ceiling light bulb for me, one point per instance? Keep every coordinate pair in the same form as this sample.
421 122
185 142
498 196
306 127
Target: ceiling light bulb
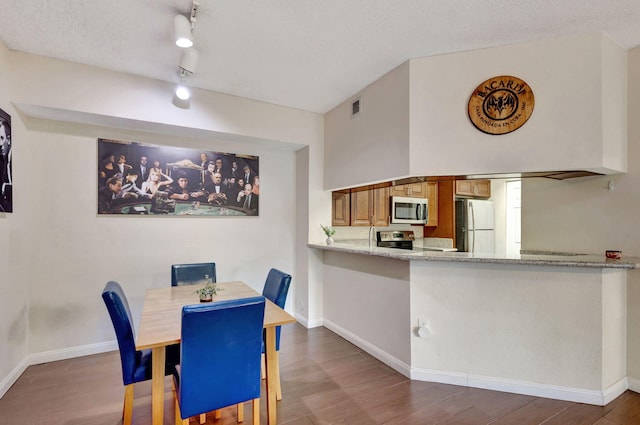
182 31
182 92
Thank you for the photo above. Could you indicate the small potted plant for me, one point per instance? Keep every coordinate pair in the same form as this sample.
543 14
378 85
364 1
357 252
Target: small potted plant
329 231
207 292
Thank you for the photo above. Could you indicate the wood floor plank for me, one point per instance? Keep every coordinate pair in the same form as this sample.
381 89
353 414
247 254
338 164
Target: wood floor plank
325 380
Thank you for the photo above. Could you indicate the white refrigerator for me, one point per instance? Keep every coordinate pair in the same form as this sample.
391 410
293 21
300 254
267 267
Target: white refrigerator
475 226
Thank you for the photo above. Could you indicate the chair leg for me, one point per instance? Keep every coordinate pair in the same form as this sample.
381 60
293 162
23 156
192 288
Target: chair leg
216 414
179 420
256 411
277 377
127 408
203 418
240 407
263 366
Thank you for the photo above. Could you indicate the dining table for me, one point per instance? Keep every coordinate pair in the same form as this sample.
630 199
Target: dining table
160 326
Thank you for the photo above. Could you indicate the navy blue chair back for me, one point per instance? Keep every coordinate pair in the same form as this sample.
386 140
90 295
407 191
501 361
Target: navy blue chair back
276 288
118 308
220 355
189 274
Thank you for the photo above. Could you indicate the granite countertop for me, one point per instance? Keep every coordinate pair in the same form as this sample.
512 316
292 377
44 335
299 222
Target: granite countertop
553 259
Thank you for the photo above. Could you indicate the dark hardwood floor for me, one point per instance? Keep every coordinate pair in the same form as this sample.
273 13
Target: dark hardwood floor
325 380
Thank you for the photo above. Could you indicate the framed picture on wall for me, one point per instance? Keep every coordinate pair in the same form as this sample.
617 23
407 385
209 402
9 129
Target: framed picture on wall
6 180
142 179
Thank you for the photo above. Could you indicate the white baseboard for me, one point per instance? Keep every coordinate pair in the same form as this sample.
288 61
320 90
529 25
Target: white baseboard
309 323
376 352
578 395
634 384
53 356
12 377
72 352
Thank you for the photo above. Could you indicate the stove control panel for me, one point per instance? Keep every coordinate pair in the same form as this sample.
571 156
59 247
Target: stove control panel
396 235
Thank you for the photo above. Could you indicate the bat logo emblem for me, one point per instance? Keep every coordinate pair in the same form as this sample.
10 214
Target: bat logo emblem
500 104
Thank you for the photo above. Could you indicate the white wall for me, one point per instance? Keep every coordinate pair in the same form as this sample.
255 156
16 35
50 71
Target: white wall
584 215
367 300
579 84
59 253
419 111
524 329
374 145
14 249
74 252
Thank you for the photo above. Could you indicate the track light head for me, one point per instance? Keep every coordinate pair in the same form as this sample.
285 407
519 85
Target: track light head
182 31
183 92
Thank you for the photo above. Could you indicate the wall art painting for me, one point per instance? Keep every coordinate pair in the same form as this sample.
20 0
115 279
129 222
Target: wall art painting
6 180
141 179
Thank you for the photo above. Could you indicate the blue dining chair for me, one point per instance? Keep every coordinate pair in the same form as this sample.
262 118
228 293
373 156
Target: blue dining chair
189 274
136 365
220 358
276 288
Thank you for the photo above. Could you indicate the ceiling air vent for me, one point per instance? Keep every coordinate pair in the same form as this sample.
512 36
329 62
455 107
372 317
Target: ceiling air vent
355 108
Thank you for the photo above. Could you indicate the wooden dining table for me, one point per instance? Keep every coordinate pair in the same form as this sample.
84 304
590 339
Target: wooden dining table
161 324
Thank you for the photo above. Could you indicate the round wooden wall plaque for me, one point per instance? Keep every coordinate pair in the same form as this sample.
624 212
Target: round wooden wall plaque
501 105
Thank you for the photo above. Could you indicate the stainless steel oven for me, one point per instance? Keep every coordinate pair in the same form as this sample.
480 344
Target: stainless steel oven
401 239
409 210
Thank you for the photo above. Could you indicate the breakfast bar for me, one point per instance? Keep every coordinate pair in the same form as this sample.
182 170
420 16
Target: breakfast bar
546 325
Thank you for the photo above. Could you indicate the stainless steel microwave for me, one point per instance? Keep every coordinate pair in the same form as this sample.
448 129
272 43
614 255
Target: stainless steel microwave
409 210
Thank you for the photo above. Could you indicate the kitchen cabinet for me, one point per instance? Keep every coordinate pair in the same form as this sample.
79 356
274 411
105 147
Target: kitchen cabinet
370 206
340 208
427 190
414 190
446 226
473 188
432 196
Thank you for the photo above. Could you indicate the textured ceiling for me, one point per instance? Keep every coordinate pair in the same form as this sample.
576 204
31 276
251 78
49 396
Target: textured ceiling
305 54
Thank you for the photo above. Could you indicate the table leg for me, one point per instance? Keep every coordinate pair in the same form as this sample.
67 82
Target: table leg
271 359
157 385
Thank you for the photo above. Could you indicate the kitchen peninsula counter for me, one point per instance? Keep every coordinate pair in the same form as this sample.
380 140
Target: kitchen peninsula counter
541 259
545 325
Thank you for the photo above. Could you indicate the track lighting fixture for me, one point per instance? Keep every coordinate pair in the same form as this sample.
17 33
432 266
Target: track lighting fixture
183 92
188 60
183 31
183 27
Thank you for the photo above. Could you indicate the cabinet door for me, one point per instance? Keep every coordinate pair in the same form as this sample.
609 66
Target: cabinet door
361 207
340 209
400 190
482 189
474 188
464 187
417 190
432 196
381 206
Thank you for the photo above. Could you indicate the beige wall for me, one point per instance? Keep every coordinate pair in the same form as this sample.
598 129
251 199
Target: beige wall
374 145
419 111
14 249
584 215
59 253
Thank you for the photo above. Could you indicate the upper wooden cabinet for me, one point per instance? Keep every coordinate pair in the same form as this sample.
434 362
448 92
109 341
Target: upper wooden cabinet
432 196
473 188
340 209
370 207
414 190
